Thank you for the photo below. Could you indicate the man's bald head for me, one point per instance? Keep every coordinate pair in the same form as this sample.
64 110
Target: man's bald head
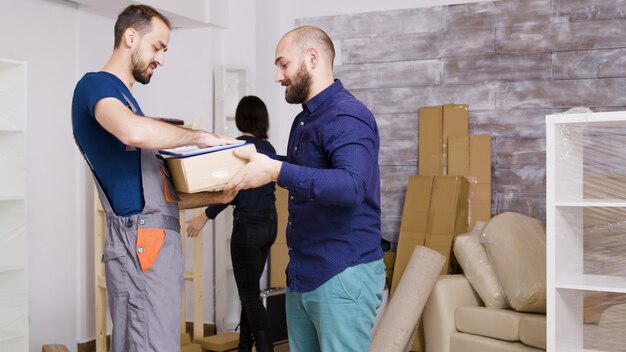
307 37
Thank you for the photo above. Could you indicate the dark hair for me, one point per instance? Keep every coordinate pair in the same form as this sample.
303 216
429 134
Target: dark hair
252 116
138 17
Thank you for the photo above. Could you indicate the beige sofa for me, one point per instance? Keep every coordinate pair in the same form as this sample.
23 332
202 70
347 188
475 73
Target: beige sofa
499 303
455 320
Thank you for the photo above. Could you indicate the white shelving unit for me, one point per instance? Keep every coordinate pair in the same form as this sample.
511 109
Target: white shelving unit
231 84
586 229
13 279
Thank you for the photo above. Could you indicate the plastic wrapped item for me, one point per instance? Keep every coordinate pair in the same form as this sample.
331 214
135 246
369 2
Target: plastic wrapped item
472 258
516 247
586 218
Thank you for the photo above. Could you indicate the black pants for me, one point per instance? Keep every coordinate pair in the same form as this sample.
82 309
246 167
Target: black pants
253 235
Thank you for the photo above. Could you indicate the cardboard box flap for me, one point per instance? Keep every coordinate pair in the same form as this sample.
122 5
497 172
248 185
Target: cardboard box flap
455 120
480 159
430 141
448 212
416 204
458 148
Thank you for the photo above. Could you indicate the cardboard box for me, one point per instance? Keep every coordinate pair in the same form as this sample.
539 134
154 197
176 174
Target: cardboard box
455 120
279 258
458 155
191 347
479 203
470 156
480 159
403 255
416 204
448 213
221 342
282 211
430 140
443 245
419 342
205 172
389 259
436 125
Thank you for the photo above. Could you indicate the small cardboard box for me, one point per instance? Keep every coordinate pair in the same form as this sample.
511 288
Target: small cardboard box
279 259
430 132
455 120
436 124
205 172
282 210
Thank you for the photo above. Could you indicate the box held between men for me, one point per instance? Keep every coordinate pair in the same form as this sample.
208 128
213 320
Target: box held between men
195 169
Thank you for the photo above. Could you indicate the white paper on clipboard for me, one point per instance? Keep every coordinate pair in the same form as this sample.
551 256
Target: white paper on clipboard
191 150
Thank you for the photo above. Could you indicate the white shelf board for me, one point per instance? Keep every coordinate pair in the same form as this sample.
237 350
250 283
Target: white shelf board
611 118
598 283
600 203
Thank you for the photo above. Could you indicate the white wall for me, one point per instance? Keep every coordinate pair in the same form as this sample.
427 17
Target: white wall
46 39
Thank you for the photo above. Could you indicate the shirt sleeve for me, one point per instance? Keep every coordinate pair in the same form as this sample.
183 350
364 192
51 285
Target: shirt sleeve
351 145
213 210
94 88
276 157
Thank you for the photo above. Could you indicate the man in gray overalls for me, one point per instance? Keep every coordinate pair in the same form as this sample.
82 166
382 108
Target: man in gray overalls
143 259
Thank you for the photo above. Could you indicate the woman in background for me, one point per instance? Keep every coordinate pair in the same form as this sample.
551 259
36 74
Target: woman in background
254 231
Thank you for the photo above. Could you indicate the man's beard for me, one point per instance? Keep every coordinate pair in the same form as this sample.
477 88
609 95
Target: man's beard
298 90
140 72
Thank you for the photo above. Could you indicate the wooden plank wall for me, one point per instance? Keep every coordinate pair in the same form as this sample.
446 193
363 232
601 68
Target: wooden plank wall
511 61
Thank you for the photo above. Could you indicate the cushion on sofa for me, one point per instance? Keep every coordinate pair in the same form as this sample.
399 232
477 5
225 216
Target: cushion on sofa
532 330
497 323
450 292
460 342
472 258
516 247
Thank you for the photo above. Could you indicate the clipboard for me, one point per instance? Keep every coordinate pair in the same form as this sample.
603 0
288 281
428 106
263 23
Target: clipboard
192 150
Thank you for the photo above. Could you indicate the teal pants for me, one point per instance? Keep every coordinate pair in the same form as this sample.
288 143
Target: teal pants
339 315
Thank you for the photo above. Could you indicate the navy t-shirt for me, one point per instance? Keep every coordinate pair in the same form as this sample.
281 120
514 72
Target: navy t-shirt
117 169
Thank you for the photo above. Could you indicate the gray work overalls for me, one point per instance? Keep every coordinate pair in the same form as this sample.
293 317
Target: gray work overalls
144 266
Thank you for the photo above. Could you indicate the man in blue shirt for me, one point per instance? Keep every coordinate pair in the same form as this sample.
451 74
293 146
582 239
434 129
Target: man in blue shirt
335 275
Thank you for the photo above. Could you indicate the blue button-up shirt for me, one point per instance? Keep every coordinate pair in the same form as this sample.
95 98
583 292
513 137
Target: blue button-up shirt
331 172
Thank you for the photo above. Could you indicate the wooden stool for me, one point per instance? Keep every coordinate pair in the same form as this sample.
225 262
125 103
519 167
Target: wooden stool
221 342
54 348
191 347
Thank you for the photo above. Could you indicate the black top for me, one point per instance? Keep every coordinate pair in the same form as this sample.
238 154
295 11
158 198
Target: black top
255 199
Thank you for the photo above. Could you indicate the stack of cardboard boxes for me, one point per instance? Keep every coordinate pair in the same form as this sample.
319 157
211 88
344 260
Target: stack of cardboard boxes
451 193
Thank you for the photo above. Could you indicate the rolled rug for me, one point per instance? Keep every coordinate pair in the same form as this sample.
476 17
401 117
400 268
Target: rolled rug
405 307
